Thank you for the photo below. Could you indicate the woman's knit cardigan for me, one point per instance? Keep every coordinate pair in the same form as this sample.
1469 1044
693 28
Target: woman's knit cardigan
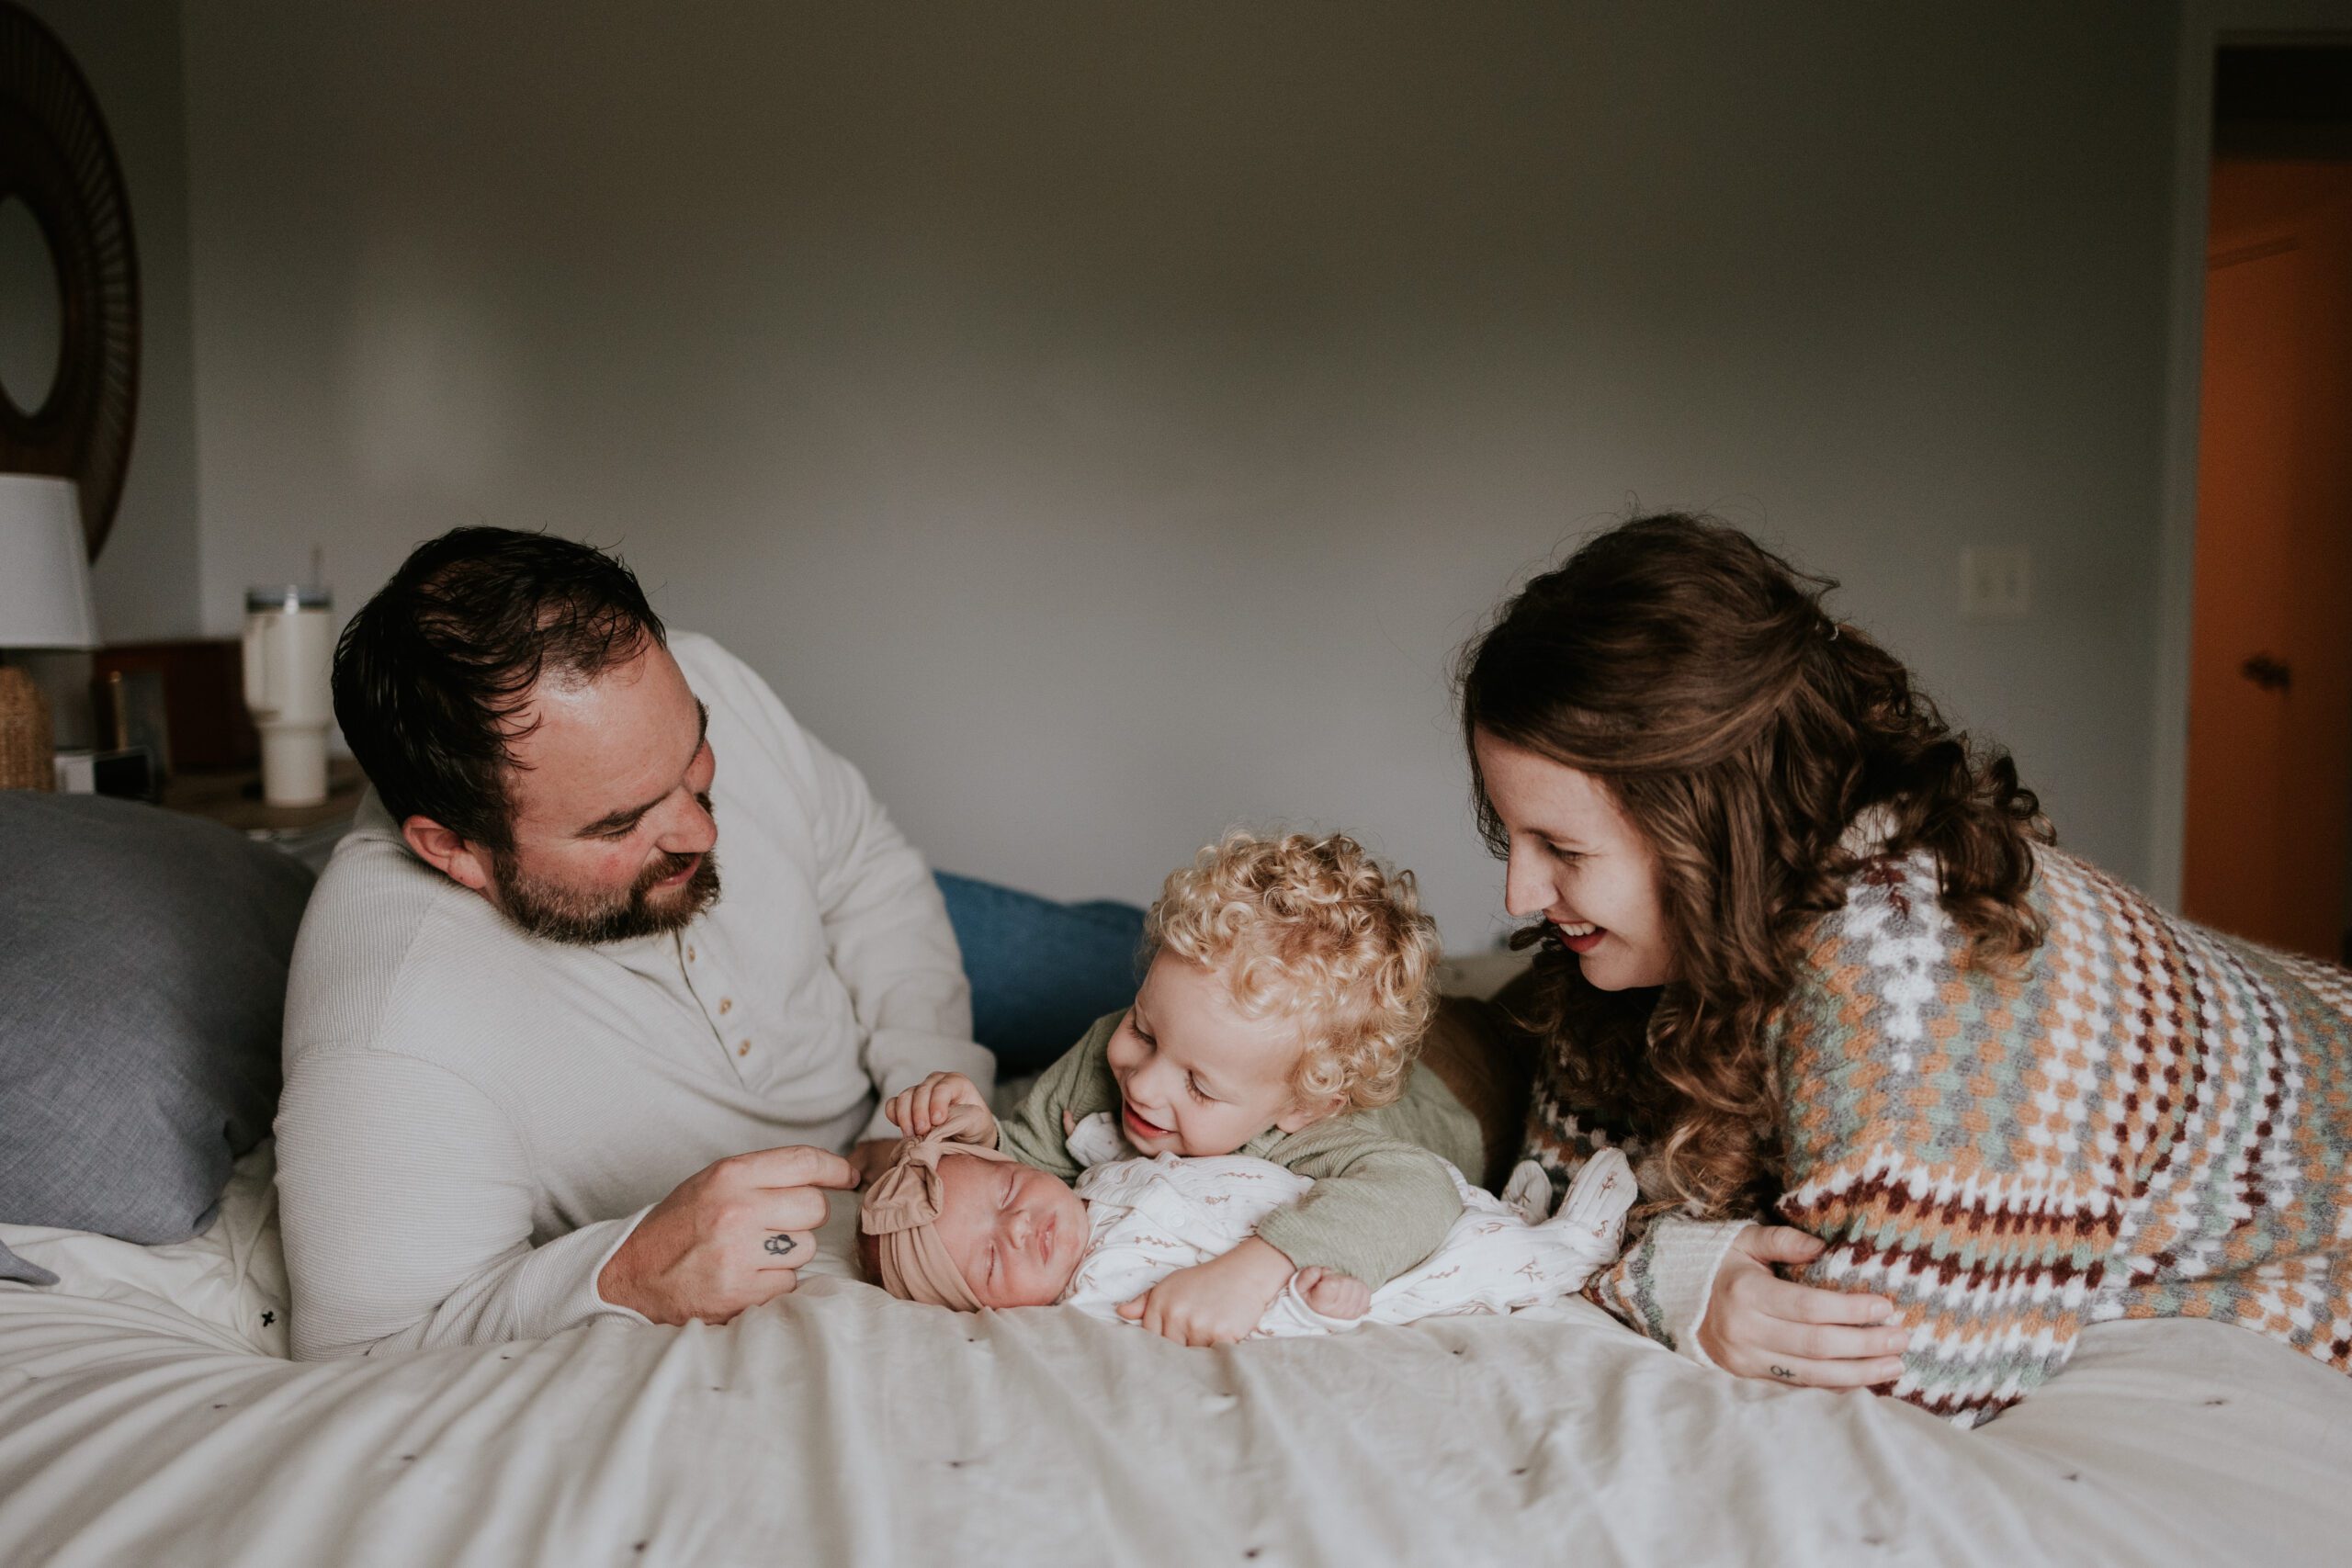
2139 1118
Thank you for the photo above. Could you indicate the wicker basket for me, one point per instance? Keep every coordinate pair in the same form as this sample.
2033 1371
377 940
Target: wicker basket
26 759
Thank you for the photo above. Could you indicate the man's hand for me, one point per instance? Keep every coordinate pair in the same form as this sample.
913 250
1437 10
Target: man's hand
918 1109
1214 1302
870 1157
730 1236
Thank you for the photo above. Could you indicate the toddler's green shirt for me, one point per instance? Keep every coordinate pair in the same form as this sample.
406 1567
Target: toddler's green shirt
1382 1201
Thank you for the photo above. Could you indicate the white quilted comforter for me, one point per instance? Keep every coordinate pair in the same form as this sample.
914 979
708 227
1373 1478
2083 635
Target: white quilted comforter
147 1417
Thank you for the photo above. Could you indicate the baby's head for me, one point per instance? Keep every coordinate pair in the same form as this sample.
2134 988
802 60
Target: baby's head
970 1230
1290 981
1015 1234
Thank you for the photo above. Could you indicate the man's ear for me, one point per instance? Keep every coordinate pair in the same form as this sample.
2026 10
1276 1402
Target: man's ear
462 862
1305 1112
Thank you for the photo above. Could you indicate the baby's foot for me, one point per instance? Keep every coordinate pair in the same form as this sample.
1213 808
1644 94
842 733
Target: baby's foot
1335 1294
1529 1191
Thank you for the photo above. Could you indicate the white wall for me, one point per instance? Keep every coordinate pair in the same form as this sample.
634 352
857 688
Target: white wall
146 579
1103 422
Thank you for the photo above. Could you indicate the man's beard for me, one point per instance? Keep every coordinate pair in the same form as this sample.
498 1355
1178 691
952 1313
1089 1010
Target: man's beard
555 913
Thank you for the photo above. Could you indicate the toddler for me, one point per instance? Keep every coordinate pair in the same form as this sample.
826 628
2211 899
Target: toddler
1288 988
956 1224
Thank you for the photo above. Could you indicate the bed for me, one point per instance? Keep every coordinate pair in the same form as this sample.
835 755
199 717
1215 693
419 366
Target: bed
149 1416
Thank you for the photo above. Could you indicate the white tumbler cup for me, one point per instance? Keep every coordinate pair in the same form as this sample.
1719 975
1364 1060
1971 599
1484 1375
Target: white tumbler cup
289 651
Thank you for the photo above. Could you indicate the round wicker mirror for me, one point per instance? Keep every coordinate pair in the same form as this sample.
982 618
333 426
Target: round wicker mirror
56 159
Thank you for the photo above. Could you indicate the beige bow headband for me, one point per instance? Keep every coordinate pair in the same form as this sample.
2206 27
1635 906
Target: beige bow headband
899 1211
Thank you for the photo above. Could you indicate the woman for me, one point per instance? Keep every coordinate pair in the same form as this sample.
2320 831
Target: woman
1804 952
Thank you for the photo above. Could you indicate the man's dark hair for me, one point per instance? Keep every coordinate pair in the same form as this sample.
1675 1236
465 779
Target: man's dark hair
430 675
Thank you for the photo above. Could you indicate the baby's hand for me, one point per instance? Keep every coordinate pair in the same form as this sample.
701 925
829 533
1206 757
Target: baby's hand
1335 1294
918 1109
1216 1303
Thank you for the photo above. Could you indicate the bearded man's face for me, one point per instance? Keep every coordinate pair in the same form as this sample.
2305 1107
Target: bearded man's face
668 893
609 794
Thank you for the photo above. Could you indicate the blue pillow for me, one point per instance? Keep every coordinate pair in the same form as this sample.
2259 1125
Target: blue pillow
1041 970
143 979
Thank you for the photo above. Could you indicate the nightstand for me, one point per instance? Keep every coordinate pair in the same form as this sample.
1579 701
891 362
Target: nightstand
233 799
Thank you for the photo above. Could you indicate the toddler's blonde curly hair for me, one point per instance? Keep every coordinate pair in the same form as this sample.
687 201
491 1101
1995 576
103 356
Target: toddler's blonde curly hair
1317 930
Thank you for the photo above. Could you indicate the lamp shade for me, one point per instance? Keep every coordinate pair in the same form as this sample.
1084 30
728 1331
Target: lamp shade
44 575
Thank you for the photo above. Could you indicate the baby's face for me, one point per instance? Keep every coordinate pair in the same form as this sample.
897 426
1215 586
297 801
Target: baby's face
1196 1075
1016 1235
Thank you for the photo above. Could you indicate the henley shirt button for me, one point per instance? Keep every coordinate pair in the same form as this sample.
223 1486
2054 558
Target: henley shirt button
744 1049
726 1005
690 955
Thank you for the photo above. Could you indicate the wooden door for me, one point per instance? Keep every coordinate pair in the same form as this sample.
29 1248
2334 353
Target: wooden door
2269 848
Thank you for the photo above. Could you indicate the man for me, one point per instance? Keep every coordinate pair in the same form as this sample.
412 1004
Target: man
537 1069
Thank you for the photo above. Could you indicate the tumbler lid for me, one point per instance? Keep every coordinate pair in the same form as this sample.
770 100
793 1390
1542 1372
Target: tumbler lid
287 596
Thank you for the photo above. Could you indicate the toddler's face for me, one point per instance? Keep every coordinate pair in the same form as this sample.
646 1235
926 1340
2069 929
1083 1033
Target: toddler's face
1196 1075
1016 1235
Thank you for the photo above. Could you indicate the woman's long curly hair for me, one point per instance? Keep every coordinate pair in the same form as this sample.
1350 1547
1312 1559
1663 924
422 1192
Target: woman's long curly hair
1742 730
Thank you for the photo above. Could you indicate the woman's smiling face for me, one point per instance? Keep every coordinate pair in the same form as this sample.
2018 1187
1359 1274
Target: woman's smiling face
1576 859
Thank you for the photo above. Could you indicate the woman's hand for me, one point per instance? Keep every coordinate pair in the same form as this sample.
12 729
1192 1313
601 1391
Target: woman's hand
918 1109
1762 1326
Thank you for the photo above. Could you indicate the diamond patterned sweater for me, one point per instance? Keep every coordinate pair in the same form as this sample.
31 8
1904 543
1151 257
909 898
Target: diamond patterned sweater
2139 1118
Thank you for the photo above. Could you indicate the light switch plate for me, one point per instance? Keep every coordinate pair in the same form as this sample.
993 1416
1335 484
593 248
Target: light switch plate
1996 582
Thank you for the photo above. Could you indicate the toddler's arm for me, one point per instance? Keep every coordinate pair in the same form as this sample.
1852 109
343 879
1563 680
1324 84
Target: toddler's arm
1378 1206
1216 1303
1079 1084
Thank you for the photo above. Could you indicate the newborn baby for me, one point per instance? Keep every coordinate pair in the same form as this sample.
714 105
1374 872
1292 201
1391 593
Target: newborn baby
961 1226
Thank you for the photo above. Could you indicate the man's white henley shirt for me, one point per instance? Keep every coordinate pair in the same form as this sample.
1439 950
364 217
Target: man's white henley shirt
474 1119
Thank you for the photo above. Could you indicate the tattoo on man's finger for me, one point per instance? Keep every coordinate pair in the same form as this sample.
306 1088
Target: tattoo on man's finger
1783 1373
782 1245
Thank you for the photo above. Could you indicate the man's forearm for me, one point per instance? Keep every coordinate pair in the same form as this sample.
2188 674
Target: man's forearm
537 1292
405 1204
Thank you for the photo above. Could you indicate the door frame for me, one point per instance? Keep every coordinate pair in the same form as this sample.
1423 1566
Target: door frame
2205 27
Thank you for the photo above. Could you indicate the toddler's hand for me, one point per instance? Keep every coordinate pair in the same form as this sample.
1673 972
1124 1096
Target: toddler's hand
1216 1303
1335 1294
918 1109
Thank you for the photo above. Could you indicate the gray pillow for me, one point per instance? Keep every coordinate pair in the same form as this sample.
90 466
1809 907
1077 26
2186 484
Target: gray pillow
143 984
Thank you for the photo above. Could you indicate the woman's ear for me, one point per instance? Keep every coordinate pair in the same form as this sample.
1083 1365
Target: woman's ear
1306 1110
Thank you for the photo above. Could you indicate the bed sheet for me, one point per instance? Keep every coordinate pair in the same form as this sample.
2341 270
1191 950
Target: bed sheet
146 1418
226 1287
